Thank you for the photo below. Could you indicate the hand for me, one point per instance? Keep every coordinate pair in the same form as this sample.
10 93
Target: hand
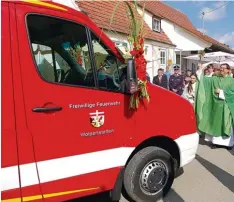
199 66
217 90
174 90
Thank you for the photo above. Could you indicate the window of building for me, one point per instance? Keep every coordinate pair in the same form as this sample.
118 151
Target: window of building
163 57
146 50
156 25
194 68
121 44
60 49
107 66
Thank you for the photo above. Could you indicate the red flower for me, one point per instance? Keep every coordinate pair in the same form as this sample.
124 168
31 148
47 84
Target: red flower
141 41
79 60
135 53
140 63
141 51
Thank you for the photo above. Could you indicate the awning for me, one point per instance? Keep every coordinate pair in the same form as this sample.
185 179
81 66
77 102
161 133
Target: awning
216 57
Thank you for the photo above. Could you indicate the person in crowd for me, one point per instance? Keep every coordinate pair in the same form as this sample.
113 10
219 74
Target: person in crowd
190 89
160 79
206 72
187 77
216 71
215 108
176 81
168 74
210 70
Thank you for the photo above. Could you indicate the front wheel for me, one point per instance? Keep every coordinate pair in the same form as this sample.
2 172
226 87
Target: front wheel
149 175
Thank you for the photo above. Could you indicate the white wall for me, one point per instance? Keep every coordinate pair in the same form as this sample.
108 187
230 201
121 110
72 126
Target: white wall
155 62
182 38
147 17
170 52
116 36
149 56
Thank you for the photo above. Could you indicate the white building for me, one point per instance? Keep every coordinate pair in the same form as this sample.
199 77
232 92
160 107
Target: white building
186 43
161 53
181 32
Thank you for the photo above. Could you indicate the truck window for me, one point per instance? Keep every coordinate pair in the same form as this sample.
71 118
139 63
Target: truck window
107 66
60 49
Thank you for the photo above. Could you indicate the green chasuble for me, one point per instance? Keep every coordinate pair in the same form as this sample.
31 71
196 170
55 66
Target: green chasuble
215 116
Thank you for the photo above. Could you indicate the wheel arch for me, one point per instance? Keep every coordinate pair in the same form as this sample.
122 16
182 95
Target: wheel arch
162 142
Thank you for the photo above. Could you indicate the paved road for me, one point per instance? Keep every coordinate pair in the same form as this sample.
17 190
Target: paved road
209 178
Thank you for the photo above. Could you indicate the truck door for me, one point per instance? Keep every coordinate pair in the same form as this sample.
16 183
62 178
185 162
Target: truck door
78 130
10 185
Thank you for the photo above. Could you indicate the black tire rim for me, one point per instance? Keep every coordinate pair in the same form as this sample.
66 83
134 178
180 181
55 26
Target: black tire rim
153 177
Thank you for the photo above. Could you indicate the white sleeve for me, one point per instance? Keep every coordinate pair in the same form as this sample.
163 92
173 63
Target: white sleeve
221 95
199 72
185 92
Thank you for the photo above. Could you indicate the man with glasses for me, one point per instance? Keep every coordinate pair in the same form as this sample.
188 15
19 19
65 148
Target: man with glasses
176 81
215 108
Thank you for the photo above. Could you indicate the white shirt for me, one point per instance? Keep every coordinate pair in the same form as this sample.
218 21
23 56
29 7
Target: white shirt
189 96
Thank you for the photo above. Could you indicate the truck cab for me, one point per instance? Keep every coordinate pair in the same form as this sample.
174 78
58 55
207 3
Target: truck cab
67 130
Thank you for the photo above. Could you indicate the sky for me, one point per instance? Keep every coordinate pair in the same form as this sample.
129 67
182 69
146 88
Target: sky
218 24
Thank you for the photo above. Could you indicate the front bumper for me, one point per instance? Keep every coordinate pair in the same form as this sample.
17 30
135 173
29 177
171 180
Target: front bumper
188 145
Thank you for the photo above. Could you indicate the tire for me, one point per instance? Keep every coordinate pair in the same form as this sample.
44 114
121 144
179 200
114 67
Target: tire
144 171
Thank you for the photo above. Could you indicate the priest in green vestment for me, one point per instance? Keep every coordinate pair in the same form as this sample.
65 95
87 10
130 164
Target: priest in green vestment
214 107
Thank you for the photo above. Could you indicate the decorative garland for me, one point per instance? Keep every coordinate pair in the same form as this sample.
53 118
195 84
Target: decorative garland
75 52
140 63
136 41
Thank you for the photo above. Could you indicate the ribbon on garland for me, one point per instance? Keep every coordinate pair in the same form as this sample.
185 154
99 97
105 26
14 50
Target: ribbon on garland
142 93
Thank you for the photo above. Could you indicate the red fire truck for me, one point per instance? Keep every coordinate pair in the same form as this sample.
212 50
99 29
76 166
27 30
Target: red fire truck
67 130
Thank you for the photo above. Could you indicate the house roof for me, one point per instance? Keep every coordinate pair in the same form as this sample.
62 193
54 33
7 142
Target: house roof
162 10
101 13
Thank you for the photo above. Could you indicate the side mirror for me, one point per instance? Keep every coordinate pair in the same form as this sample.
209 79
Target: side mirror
131 77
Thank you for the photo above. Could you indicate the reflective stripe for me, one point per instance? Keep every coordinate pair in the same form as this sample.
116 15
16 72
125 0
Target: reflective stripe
28 171
36 197
9 178
65 167
41 3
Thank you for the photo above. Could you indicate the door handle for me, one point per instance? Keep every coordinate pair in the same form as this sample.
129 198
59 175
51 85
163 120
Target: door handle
47 109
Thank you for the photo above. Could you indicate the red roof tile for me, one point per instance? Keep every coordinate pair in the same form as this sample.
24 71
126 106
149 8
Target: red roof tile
101 12
164 11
